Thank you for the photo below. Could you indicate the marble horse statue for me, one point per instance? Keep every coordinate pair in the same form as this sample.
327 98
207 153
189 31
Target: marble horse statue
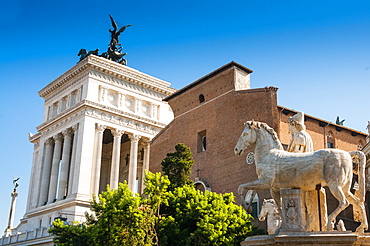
271 211
277 169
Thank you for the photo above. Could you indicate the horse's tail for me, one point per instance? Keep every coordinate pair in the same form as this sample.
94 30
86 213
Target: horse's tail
360 158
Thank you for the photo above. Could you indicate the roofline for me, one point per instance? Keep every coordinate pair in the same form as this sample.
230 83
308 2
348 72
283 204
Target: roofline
324 121
208 76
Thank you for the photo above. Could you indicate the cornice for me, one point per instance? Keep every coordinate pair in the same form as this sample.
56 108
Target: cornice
61 117
112 69
35 137
130 74
57 206
325 122
231 64
64 78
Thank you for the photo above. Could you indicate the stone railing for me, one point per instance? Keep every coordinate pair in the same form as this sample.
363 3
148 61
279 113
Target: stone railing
29 235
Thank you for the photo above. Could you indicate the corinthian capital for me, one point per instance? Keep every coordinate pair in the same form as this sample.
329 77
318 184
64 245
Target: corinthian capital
134 137
75 127
49 141
68 132
117 133
58 137
100 128
145 142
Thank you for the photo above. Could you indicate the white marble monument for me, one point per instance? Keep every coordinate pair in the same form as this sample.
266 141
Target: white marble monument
99 118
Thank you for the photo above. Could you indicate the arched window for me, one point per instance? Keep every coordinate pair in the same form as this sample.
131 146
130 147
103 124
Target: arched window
202 141
201 98
255 203
201 184
330 140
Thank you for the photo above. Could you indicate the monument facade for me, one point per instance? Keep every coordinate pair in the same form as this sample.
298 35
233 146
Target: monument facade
99 118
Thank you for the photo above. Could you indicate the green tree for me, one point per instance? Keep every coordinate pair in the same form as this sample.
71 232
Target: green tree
122 218
194 217
73 234
177 166
166 214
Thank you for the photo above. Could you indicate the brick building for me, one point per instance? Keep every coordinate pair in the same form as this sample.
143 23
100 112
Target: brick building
209 116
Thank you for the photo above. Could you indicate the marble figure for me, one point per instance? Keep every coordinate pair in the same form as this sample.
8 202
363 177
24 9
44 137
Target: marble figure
271 211
301 141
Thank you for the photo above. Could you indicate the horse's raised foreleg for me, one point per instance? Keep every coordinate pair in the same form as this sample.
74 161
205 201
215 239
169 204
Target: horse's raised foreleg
337 192
259 184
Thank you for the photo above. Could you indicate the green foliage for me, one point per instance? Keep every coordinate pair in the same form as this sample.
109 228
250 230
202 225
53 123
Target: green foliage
122 219
193 217
170 212
156 186
177 166
70 235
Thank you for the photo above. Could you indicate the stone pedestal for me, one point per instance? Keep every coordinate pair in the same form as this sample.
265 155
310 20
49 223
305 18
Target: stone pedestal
309 238
293 230
291 212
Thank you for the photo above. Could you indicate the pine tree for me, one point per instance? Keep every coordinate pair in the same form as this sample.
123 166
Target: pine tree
177 166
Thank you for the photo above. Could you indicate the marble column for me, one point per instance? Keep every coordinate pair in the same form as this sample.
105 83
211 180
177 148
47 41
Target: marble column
98 148
114 173
55 168
146 146
9 228
66 155
132 173
73 160
45 178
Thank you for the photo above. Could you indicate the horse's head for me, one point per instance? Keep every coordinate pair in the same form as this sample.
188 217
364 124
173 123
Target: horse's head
82 52
267 206
247 138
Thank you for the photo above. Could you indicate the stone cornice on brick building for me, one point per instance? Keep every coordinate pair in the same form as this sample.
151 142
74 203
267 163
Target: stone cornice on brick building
322 122
111 68
208 76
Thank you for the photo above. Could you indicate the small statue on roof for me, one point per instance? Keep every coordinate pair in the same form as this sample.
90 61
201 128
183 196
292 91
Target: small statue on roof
114 52
15 182
339 122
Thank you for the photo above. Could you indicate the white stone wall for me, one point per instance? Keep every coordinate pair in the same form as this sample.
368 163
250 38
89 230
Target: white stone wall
95 92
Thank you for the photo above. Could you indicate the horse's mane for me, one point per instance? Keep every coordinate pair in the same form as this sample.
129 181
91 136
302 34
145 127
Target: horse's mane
270 130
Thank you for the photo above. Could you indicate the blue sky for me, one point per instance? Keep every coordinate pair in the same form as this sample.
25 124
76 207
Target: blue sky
316 52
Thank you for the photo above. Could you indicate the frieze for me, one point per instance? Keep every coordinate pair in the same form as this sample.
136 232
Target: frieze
56 94
61 123
123 113
126 85
129 123
135 122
